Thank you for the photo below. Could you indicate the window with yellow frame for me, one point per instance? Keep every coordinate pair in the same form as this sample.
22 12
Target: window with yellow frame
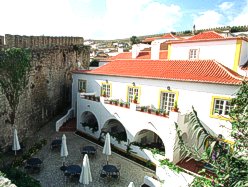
167 100
133 91
106 89
221 107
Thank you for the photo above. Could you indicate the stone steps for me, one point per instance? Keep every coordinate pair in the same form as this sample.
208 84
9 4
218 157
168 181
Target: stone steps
69 126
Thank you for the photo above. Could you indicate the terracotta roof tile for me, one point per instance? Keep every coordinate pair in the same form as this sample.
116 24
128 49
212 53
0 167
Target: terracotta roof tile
146 55
208 71
206 35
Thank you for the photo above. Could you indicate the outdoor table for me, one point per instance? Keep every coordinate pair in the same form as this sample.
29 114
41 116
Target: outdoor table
56 143
88 150
34 161
110 170
73 169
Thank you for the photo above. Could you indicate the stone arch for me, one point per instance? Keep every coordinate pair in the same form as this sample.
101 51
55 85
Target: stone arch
88 119
115 129
149 139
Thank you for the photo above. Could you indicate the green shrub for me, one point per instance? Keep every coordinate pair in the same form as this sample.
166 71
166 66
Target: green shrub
20 178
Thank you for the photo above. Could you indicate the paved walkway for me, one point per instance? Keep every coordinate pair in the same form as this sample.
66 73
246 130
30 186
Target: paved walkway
52 176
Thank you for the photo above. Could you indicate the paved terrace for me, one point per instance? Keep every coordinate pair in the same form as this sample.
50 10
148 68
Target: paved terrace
51 175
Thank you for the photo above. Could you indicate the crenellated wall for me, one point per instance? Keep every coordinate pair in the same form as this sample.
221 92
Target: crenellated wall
39 41
49 89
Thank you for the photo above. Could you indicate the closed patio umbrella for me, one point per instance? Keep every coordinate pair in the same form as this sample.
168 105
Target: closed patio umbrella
85 176
107 147
131 184
16 145
63 151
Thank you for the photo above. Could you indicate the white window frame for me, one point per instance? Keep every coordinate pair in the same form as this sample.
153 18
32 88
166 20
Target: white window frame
222 107
132 90
82 85
107 88
167 102
193 54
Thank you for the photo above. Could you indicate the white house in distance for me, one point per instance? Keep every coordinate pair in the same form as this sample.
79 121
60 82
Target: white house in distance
201 71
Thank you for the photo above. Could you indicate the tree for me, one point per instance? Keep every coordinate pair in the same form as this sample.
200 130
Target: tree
94 63
228 162
134 40
14 71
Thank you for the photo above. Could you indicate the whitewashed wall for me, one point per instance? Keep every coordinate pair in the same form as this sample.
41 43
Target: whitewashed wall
221 51
191 94
244 53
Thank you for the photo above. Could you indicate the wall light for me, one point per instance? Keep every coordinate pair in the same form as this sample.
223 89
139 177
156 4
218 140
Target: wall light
133 83
168 88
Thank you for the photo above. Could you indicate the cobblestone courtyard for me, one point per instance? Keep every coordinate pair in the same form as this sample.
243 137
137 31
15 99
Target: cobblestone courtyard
51 175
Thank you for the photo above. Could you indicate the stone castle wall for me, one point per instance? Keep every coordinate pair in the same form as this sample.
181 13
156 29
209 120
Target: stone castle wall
39 41
48 92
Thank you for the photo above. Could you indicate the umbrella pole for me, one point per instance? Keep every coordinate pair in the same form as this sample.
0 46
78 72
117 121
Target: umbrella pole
107 159
15 152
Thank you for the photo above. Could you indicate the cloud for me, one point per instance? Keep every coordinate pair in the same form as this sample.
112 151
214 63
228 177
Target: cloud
140 17
226 6
242 17
207 19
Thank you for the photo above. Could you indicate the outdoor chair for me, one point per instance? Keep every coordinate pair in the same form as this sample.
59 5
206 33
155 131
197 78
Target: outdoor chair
118 166
27 168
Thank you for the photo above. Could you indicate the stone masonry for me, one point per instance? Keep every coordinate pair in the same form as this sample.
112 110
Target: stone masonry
48 92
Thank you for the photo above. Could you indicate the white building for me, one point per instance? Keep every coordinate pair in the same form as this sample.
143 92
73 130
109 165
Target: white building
200 72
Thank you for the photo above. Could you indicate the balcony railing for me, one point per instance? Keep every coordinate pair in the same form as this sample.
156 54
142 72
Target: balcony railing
149 110
117 102
90 96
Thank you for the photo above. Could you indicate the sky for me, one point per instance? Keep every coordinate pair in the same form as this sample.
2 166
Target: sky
116 19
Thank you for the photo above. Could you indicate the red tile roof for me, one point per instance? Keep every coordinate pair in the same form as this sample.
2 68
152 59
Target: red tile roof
208 71
166 36
145 55
206 35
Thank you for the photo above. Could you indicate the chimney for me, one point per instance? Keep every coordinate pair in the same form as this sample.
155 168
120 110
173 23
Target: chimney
155 49
135 50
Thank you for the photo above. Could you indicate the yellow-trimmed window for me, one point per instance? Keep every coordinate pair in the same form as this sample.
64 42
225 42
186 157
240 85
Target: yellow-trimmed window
221 107
167 100
132 92
81 85
106 89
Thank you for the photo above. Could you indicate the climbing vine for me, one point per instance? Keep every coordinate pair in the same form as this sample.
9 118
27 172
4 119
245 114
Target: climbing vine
14 70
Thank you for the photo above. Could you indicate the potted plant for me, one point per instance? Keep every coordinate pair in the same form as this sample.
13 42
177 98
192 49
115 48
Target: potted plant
135 99
104 93
149 110
143 108
127 105
175 108
157 112
121 104
110 101
116 102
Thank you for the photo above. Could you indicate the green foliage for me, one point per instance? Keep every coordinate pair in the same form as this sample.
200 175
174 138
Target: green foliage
134 40
238 29
239 115
120 136
170 165
129 149
14 71
228 162
33 150
94 63
92 126
20 178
